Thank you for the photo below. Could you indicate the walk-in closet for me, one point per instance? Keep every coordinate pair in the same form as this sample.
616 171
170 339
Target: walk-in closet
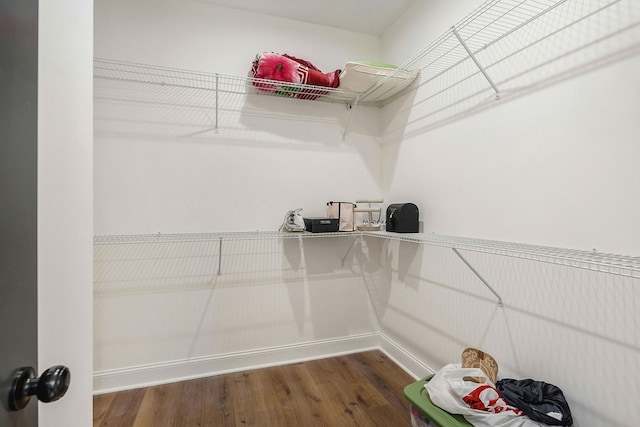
511 124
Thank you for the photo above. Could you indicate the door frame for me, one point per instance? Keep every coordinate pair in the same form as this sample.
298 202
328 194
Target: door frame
65 204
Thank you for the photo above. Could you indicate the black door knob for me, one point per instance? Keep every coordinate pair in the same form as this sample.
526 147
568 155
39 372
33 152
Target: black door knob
51 386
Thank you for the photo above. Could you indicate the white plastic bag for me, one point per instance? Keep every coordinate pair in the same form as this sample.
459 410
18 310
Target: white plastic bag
453 390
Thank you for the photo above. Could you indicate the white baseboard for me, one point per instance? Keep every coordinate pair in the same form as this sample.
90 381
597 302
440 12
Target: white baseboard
147 375
403 358
161 373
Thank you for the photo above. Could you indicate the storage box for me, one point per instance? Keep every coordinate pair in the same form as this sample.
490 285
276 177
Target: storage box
321 225
423 411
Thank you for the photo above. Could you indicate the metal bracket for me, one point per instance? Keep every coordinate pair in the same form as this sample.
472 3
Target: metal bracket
500 303
217 91
220 257
351 107
346 254
480 67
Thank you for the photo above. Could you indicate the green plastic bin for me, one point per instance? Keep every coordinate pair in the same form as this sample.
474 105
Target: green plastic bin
425 413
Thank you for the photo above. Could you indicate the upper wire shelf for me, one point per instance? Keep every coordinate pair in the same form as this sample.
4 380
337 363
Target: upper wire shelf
148 99
506 48
502 49
169 81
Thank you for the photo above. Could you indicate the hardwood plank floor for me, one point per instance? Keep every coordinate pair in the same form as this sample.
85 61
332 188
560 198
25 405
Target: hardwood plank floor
364 389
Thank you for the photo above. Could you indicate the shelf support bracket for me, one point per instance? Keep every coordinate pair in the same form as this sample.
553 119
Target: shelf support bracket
475 60
220 257
500 303
216 129
353 242
352 107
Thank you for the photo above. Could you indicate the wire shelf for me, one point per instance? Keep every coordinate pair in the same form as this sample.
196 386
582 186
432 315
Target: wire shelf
203 237
621 265
506 48
133 98
162 84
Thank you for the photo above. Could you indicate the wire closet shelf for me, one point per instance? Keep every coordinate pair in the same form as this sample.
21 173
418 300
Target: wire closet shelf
621 265
165 101
198 88
502 49
205 237
508 48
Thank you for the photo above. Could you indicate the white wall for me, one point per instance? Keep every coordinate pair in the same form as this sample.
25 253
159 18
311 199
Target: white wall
152 309
542 168
195 35
164 312
65 208
555 167
256 168
552 167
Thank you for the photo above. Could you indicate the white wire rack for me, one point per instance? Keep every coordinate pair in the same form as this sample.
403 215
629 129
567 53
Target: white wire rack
160 84
175 102
504 48
218 239
621 265
202 237
507 48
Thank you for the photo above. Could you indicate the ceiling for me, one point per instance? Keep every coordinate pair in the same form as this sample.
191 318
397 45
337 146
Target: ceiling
363 16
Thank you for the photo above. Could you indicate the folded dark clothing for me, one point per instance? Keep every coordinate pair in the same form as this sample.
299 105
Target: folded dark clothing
540 401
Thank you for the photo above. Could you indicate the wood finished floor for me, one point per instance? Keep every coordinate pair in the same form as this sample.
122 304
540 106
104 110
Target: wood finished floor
364 389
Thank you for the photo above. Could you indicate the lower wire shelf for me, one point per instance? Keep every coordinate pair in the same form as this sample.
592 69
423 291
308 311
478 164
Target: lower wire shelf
622 265
201 237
